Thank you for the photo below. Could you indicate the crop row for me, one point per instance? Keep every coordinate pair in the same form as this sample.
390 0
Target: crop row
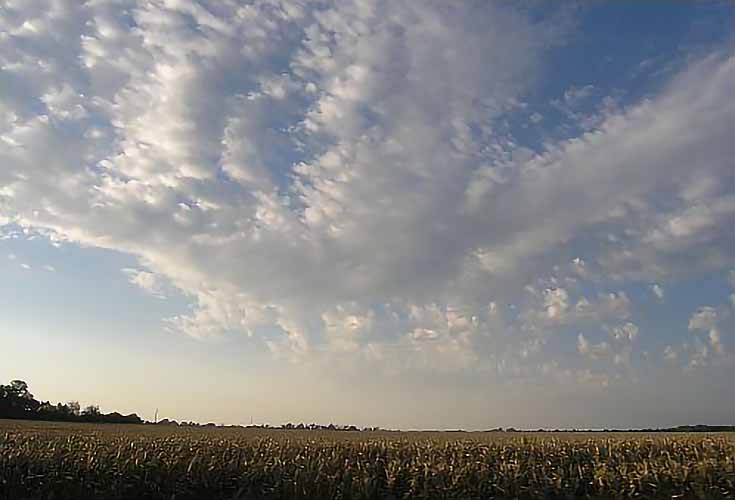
283 466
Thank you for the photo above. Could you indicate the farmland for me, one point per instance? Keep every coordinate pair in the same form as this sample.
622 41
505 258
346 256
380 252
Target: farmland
78 461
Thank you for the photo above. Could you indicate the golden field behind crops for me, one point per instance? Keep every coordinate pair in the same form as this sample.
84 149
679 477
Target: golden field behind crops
77 461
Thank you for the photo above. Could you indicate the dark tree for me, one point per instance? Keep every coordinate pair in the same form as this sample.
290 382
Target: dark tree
16 401
92 410
73 407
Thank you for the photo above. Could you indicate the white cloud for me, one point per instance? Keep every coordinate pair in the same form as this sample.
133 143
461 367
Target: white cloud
556 302
601 350
583 345
555 307
147 281
626 333
346 330
715 341
658 291
619 350
709 321
337 175
705 318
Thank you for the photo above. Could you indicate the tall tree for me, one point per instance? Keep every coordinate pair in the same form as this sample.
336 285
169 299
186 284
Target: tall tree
16 400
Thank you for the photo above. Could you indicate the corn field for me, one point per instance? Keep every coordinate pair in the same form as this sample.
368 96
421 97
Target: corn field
76 461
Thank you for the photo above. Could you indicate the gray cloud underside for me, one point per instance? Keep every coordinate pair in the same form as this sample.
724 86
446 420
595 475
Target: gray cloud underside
331 177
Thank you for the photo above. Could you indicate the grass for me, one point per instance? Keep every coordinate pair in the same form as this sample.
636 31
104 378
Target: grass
80 461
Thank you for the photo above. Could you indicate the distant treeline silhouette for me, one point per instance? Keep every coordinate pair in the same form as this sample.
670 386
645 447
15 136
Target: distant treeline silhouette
289 426
17 402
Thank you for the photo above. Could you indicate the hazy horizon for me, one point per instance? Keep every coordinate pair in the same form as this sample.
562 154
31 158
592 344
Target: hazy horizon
408 214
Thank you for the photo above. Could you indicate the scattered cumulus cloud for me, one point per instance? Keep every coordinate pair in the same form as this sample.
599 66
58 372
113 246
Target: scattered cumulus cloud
658 292
705 318
707 324
145 280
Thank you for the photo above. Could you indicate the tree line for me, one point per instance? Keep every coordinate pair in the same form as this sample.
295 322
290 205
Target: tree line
17 402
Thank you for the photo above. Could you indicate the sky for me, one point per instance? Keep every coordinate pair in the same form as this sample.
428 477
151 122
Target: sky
406 214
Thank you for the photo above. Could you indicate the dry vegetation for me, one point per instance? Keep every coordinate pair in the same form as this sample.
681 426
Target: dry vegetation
78 461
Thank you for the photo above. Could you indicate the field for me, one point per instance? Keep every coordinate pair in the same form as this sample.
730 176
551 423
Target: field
80 461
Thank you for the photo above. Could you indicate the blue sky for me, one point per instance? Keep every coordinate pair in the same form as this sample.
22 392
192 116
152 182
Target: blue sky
406 214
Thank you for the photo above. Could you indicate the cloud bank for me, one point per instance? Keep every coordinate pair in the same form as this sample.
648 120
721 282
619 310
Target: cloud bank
337 180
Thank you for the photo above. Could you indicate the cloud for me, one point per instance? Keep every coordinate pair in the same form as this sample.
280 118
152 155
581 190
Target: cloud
626 333
715 341
709 322
335 177
555 307
556 302
598 351
618 350
658 291
145 280
670 354
705 318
